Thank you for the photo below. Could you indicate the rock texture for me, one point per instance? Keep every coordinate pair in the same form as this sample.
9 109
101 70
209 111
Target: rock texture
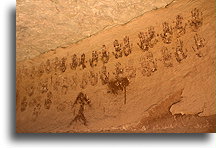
153 74
44 25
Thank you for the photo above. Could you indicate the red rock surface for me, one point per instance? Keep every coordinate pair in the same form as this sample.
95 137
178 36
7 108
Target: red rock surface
166 84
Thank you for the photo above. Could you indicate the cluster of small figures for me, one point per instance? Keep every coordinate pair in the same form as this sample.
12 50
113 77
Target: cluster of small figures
149 38
78 105
60 65
103 55
122 75
35 103
114 85
121 80
149 63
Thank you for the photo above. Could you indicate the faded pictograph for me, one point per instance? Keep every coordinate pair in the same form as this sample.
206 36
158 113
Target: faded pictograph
147 39
199 44
112 67
180 51
79 109
196 20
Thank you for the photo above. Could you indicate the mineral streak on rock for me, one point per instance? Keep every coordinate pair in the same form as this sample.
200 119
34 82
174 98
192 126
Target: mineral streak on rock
155 73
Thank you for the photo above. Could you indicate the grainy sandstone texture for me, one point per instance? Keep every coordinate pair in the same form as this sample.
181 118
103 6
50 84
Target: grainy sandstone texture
43 25
153 74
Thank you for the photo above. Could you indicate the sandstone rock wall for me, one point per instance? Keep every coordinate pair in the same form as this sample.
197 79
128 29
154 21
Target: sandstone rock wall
44 25
154 74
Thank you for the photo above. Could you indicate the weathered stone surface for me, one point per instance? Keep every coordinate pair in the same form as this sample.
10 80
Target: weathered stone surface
159 76
43 25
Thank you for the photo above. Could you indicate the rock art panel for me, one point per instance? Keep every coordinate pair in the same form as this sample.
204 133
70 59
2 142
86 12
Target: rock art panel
129 78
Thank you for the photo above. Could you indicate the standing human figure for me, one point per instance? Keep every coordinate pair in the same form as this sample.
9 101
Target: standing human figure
80 102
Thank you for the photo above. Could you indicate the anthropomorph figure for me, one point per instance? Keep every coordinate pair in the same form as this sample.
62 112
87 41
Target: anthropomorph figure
75 62
36 111
94 60
167 33
41 69
180 53
56 64
151 60
24 104
82 61
62 65
148 64
127 46
147 39
80 103
48 66
119 70
196 19
104 75
43 86
118 49
180 28
151 36
105 55
93 78
200 43
84 81
143 41
166 57
48 100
